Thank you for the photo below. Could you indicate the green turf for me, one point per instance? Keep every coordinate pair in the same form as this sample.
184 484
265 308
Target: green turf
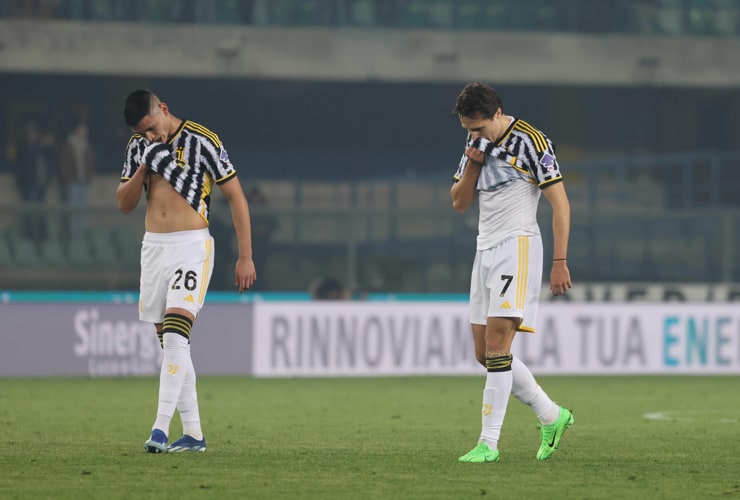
370 438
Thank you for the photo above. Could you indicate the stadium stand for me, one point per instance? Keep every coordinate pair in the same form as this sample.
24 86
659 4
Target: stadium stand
668 17
380 218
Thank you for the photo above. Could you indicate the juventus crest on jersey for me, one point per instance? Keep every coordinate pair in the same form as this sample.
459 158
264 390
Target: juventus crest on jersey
191 161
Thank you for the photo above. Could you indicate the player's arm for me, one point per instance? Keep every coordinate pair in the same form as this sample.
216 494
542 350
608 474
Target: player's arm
244 272
560 280
463 191
129 192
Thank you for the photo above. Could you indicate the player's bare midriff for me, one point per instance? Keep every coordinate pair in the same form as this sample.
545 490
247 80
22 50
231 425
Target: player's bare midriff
167 211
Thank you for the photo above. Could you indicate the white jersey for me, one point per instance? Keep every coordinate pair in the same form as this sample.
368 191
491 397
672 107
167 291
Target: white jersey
516 168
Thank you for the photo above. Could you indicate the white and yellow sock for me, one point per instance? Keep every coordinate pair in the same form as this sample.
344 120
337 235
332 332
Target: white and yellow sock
495 398
171 378
526 390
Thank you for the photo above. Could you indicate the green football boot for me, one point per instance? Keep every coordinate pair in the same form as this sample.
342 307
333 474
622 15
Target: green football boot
552 433
479 454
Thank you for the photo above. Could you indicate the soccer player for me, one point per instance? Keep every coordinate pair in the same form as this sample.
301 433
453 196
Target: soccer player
176 162
508 163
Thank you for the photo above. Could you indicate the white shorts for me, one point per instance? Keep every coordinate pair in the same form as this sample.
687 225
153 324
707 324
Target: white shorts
506 282
176 269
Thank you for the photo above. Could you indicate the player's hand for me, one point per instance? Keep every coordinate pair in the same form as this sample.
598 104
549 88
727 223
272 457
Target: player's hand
475 156
560 278
244 274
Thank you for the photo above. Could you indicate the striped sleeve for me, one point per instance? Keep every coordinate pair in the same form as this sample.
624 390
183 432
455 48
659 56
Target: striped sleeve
224 169
134 150
539 155
463 162
460 168
213 154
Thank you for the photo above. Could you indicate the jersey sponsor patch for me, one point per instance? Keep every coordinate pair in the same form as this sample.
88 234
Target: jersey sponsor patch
548 161
224 156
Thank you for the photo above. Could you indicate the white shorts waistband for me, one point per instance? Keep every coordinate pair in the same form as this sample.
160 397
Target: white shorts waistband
177 236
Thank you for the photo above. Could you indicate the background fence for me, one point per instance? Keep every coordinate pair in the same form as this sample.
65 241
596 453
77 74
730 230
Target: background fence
645 219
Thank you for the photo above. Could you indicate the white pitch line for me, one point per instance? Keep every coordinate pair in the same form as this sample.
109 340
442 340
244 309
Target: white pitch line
687 416
658 415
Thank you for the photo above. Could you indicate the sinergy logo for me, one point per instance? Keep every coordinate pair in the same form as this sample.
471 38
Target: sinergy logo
116 348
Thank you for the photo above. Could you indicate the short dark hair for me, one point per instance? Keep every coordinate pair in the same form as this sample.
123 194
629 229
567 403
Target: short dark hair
477 100
138 104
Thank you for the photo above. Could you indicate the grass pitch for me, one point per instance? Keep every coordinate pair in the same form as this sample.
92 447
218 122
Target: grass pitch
389 438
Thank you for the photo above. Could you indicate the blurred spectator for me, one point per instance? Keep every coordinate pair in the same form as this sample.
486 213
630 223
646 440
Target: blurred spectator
328 289
76 168
33 174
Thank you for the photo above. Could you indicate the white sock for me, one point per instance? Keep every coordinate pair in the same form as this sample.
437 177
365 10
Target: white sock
187 405
495 400
526 390
174 368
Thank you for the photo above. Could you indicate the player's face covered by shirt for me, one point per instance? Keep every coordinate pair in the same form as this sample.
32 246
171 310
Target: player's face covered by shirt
154 127
488 128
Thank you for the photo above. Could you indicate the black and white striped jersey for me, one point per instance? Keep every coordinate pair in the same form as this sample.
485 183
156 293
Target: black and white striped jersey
526 150
191 161
516 168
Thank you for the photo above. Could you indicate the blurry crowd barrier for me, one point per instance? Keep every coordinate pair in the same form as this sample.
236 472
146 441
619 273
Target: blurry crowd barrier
669 17
649 219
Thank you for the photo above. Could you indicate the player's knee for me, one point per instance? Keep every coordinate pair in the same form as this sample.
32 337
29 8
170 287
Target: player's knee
481 358
498 362
177 323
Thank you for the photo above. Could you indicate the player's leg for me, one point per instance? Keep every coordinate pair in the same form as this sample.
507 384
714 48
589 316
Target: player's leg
181 384
499 336
524 387
479 341
175 362
493 347
187 405
157 442
553 419
185 300
152 293
478 308
478 311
